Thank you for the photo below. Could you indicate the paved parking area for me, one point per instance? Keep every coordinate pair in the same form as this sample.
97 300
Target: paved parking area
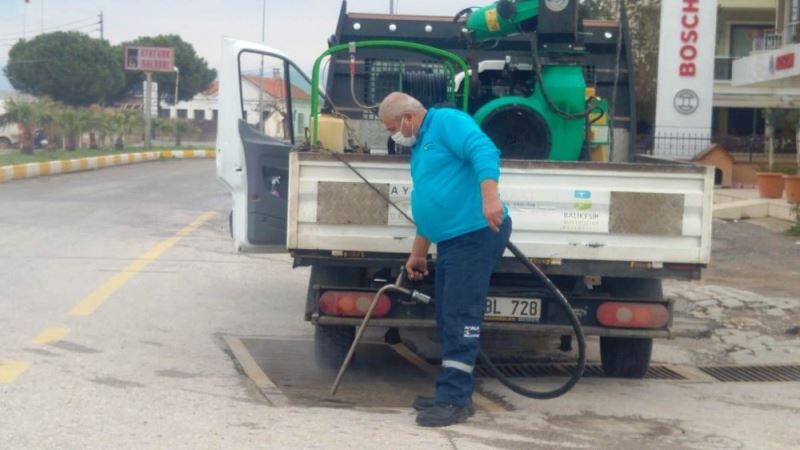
151 365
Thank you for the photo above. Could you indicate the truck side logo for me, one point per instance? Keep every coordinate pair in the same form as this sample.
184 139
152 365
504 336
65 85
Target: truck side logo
583 200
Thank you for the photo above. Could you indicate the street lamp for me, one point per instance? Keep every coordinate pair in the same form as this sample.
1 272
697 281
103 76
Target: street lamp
177 82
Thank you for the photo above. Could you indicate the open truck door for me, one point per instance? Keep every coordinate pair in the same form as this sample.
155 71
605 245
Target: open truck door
264 109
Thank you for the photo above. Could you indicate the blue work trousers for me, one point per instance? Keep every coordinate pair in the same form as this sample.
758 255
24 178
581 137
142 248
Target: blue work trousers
464 267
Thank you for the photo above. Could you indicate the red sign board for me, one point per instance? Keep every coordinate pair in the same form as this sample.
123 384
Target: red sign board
784 62
150 59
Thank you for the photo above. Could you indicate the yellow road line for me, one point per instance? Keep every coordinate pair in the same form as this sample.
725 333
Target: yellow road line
10 370
89 305
51 336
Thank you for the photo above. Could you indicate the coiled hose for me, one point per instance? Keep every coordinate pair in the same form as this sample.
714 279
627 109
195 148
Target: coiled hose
492 369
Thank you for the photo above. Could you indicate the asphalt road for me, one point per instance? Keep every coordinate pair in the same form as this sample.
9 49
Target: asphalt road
120 286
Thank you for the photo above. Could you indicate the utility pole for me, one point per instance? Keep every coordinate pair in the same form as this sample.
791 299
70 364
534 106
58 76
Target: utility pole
148 113
25 22
101 25
261 71
391 7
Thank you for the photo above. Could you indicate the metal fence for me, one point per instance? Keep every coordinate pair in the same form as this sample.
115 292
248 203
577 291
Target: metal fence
772 40
679 145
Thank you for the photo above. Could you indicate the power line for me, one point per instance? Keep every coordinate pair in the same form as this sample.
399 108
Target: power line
54 27
93 26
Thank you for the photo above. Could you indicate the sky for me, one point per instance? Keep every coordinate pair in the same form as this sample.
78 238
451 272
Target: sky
300 28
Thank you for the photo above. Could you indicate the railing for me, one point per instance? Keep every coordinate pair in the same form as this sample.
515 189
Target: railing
723 68
769 41
687 146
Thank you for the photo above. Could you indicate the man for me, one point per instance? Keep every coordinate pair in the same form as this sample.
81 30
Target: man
455 169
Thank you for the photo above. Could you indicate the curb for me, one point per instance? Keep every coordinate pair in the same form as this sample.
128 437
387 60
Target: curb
40 169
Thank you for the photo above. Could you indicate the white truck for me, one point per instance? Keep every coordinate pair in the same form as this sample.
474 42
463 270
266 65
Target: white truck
606 233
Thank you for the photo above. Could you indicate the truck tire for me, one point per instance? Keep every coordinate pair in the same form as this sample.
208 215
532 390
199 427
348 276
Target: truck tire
5 143
625 357
331 344
629 357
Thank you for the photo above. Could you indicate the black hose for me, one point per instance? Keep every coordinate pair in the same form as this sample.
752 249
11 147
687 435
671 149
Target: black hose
562 300
576 326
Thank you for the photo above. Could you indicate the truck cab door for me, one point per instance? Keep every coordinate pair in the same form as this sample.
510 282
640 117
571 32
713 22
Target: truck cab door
264 108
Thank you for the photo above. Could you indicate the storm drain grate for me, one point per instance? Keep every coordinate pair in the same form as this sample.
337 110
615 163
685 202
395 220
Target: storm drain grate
534 370
753 373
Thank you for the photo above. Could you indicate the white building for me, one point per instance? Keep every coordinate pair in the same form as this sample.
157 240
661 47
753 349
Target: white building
203 107
757 64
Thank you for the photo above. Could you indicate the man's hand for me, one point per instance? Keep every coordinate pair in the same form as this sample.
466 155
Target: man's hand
492 206
417 267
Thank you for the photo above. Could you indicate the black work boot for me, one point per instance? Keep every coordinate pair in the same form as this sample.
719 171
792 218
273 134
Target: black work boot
422 403
442 415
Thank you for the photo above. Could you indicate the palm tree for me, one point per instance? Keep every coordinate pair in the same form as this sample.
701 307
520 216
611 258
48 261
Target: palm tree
70 126
94 126
107 126
46 115
84 123
183 127
125 123
24 114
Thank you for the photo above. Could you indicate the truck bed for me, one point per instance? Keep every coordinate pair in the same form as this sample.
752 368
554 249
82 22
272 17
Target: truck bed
653 214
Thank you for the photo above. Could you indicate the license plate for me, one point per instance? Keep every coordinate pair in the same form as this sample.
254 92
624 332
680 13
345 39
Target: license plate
506 309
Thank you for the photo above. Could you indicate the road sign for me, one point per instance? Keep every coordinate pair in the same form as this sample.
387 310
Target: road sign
150 59
153 97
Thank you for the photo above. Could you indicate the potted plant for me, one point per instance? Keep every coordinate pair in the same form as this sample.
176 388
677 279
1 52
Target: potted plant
770 183
791 181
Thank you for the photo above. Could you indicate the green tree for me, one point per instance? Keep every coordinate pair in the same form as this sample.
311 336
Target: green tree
69 67
644 18
194 71
24 114
124 123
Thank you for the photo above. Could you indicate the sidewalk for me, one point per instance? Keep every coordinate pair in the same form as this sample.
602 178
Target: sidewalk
736 204
39 169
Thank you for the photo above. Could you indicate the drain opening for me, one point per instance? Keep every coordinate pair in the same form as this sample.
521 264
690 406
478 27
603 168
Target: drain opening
534 370
753 373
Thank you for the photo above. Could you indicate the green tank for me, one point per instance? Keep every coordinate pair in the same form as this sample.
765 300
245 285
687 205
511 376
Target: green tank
527 128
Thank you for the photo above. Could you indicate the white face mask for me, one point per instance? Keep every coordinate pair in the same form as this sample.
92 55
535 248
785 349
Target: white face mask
402 140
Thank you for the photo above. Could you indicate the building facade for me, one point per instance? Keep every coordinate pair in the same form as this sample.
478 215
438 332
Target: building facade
270 104
757 68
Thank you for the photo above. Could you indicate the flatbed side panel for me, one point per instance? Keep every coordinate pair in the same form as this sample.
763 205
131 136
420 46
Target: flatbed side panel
594 212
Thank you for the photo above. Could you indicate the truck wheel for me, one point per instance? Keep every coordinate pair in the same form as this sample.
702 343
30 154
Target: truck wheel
331 344
5 143
625 357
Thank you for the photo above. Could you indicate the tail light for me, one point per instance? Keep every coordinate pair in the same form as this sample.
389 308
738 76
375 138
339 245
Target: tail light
633 315
353 304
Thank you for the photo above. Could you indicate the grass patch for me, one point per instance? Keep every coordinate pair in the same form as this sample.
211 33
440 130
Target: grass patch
59 155
795 230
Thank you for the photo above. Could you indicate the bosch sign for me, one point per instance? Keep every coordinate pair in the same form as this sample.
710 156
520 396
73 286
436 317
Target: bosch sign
685 90
784 62
690 20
